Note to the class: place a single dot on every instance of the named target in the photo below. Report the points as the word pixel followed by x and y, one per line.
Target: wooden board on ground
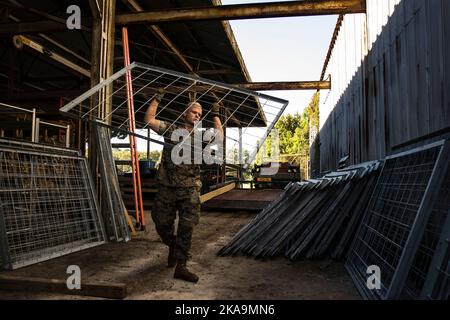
pixel 92 288
pixel 243 199
pixel 217 192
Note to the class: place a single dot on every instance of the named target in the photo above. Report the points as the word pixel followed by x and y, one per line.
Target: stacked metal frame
pixel 405 228
pixel 113 208
pixel 248 116
pixel 310 219
pixel 48 205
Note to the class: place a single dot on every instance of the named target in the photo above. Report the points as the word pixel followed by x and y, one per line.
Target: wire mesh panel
pixel 433 230
pixel 437 284
pixel 48 204
pixel 389 218
pixel 248 116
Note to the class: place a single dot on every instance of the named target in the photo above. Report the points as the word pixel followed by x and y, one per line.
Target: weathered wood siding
pixel 390 72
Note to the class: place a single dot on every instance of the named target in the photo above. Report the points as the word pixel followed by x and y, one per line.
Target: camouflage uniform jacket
pixel 175 175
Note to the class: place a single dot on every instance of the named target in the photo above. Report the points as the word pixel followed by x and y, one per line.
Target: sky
pixel 284 49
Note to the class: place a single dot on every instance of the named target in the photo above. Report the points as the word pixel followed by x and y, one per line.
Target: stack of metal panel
pixel 310 218
pixel 48 205
pixel 406 228
pixel 112 206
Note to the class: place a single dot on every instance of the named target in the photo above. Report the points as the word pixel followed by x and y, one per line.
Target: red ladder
pixel 140 219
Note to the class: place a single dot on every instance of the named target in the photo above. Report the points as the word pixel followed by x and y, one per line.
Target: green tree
pixel 294 129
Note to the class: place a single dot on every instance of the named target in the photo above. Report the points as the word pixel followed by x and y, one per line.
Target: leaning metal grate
pixel 248 116
pixel 48 204
pixel 387 223
pixel 430 239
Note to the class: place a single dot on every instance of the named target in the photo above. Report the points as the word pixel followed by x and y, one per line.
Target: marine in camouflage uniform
pixel 179 189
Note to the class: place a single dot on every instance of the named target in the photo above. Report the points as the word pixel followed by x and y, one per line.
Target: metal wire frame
pixel 36 123
pixel 25 111
pixel 48 204
pixel 437 283
pixel 422 264
pixel 391 222
pixel 254 112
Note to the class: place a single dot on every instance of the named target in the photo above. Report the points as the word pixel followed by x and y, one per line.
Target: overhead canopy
pixel 32 76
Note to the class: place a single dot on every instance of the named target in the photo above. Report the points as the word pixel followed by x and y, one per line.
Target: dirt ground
pixel 141 264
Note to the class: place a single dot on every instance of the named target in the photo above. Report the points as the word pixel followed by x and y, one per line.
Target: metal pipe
pixel 68 136
pixel 36 132
pixel 33 126
pixel 14 107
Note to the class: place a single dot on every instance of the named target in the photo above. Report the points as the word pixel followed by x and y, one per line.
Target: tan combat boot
pixel 172 259
pixel 181 272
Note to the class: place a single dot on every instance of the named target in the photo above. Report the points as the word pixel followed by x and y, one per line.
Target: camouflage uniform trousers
pixel 167 201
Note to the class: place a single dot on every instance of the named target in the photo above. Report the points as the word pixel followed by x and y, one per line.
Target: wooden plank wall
pixel 390 73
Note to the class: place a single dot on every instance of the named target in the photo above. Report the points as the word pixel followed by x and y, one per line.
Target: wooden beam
pixel 95 9
pixel 63 47
pixel 217 192
pixel 245 11
pixel 299 85
pixel 92 288
pixel 255 86
pixel 107 59
pixel 19 41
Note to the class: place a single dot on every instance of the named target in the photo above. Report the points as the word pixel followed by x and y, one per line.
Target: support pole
pixel 68 136
pixel 33 126
pixel 36 130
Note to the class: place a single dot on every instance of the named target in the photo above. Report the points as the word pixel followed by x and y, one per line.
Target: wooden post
pixel 102 63
pixel 107 56
pixel 95 79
